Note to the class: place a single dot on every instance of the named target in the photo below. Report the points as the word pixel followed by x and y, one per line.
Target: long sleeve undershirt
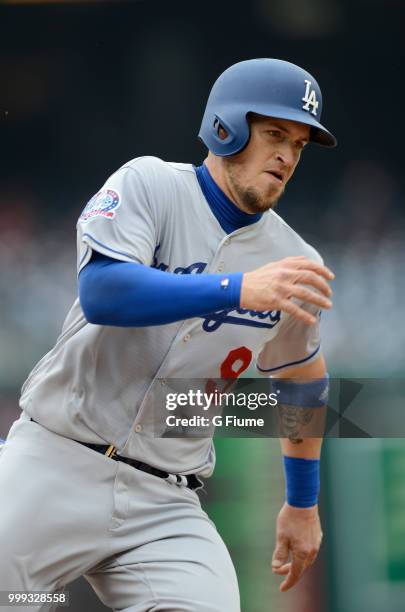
pixel 133 295
pixel 125 294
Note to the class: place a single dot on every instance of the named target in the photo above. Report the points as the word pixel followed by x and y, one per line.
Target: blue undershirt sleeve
pixel 125 294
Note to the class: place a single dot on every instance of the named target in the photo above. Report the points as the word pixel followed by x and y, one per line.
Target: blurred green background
pixel 87 86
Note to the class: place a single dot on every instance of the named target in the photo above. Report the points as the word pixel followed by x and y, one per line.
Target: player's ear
pixel 222 133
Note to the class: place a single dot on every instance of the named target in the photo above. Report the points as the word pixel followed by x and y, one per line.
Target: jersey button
pixel 221 266
pixel 227 242
pixel 138 428
pixel 186 338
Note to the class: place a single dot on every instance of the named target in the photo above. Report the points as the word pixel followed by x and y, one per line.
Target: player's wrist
pixel 235 288
pixel 307 512
pixel 302 481
pixel 245 291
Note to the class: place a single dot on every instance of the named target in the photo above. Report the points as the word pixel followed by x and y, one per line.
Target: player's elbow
pixel 91 316
pixel 89 299
pixel 90 310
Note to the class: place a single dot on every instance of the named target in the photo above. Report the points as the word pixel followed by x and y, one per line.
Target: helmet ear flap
pixel 219 123
pixel 218 127
pixel 220 131
pixel 235 139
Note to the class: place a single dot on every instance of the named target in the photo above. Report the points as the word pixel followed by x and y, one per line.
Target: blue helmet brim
pixel 318 133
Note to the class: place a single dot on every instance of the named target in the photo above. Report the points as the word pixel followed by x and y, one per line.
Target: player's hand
pixel 271 287
pixel 298 539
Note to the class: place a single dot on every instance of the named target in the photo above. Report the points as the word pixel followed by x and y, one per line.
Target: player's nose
pixel 287 157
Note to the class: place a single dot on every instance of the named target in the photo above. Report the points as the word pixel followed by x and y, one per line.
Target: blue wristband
pixel 306 394
pixel 302 481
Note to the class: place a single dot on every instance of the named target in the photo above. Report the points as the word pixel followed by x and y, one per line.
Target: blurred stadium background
pixel 89 85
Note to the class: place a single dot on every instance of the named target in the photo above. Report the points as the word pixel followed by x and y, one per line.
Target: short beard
pixel 251 198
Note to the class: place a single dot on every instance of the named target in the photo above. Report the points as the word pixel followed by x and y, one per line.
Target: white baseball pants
pixel 143 544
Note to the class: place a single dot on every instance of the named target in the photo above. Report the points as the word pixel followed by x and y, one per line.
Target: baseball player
pixel 184 272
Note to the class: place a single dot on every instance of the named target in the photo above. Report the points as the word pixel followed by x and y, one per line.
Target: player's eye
pixel 299 145
pixel 274 133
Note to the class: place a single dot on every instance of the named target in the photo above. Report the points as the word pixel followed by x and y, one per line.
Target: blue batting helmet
pixel 269 87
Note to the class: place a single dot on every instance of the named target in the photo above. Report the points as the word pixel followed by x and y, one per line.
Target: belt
pixel 191 480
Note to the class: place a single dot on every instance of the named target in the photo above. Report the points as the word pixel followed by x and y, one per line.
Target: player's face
pixel 257 176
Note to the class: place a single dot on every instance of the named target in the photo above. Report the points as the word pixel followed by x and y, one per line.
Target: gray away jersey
pixel 98 383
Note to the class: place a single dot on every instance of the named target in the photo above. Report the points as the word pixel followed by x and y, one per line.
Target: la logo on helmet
pixel 310 98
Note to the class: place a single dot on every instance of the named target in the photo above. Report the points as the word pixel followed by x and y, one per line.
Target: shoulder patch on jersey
pixel 103 204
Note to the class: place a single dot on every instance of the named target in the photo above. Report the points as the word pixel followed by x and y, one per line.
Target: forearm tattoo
pixel 292 420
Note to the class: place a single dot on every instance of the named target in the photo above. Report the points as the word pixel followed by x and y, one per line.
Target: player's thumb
pixel 280 555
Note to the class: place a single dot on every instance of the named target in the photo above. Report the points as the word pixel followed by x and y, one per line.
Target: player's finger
pixel 312 558
pixel 311 297
pixel 303 263
pixel 307 277
pixel 294 310
pixel 283 570
pixel 298 565
pixel 281 552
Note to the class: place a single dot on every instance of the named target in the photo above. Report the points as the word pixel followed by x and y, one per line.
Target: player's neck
pixel 217 173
